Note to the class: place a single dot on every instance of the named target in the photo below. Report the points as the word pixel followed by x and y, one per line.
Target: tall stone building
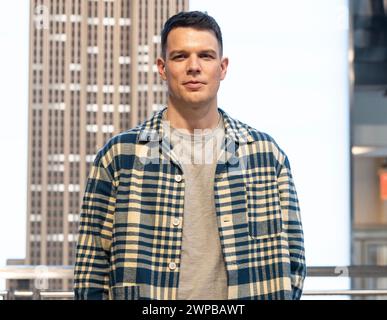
pixel 92 74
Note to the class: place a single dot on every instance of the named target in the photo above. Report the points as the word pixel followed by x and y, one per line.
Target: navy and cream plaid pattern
pixel 129 246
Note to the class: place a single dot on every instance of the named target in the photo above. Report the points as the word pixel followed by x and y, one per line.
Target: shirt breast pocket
pixel 263 210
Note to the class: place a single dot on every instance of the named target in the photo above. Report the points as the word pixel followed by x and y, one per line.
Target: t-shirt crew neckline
pixel 200 134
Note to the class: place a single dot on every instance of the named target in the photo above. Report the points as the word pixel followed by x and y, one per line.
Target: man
pixel 191 204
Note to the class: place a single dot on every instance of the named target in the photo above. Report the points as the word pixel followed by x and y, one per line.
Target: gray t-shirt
pixel 203 273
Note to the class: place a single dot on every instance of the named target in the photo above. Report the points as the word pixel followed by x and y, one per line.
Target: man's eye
pixel 178 57
pixel 206 56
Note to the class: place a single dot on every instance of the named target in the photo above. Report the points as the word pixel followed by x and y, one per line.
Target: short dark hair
pixel 190 19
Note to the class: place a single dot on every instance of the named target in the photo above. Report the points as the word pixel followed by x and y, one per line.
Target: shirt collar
pixel 152 129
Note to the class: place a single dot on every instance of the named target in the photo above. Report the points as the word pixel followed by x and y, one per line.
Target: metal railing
pixel 348 271
pixel 69 295
pixel 36 272
pixel 345 293
pixel 66 273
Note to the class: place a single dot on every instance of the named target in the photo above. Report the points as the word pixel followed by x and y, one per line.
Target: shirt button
pixel 227 218
pixel 172 265
pixel 176 222
pixel 178 178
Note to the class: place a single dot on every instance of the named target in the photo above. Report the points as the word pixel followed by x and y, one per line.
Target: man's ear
pixel 161 68
pixel 223 66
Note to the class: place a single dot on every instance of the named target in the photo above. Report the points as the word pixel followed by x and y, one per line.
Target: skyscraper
pixel 92 74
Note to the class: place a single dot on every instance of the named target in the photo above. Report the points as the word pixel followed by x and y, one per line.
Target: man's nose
pixel 193 66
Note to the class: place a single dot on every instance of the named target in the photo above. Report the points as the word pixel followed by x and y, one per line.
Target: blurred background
pixel 312 74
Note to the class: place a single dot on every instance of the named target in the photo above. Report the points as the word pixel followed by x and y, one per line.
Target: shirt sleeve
pixel 293 228
pixel 92 261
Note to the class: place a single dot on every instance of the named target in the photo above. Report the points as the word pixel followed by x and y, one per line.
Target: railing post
pixel 37 294
pixel 4 294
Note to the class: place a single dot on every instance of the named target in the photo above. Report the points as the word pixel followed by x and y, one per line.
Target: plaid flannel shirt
pixel 129 247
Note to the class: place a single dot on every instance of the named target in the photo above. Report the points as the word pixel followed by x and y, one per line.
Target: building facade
pixel 92 74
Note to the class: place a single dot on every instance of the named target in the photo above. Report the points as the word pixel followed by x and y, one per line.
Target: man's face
pixel 193 67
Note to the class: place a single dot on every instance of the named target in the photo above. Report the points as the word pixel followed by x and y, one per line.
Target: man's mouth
pixel 193 85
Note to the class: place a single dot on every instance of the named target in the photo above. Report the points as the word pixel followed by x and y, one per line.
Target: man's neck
pixel 191 118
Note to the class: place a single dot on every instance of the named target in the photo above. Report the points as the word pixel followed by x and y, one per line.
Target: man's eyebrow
pixel 176 52
pixel 210 51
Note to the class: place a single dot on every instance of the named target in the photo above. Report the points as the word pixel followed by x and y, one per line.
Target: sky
pixel 14 20
pixel 287 76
